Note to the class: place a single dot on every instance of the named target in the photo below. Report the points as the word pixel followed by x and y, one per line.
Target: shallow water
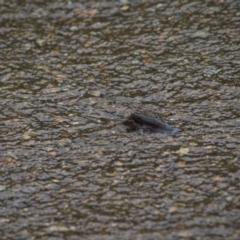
pixel 71 72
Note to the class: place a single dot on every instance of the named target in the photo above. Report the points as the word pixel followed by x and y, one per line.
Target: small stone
pixel 183 151
pixel 25 136
pixel 2 187
pixel 172 209
pixel 181 164
pixel 125 8
pixel 185 234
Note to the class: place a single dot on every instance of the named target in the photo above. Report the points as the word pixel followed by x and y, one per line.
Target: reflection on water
pixel 71 72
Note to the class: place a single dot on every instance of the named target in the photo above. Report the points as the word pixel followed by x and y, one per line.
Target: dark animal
pixel 139 121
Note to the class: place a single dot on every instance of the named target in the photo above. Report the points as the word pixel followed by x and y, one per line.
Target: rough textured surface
pixel 71 71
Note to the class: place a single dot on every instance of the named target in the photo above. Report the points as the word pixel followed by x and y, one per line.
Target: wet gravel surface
pixel 71 72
